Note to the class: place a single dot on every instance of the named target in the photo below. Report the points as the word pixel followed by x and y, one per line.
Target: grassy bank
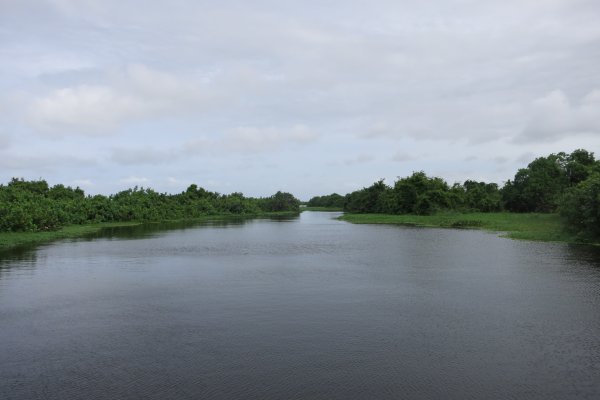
pixel 542 227
pixel 10 240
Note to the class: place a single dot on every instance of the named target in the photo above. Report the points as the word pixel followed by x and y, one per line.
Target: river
pixel 299 308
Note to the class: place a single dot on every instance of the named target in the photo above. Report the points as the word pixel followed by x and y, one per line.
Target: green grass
pixel 10 240
pixel 321 209
pixel 542 227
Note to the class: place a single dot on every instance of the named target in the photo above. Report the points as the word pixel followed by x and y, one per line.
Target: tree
pixel 581 207
pixel 538 187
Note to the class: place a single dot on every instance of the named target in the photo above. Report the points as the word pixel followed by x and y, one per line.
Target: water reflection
pixel 300 308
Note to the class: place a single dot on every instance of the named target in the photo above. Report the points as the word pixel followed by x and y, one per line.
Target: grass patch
pixel 532 226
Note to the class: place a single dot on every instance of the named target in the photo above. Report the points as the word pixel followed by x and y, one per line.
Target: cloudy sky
pixel 309 97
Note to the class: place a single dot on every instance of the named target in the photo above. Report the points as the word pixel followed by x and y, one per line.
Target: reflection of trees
pixel 585 255
pixel 17 258
pixel 149 229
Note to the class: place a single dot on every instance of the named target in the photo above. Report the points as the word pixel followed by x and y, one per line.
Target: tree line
pixel 565 183
pixel 35 206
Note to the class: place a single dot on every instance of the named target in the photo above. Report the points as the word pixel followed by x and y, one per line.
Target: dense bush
pixel 540 186
pixel 34 206
pixel 333 200
pixel 423 195
pixel 581 207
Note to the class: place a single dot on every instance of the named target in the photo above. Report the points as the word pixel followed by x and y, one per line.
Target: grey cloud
pixel 554 116
pixel 525 158
pixel 16 161
pixel 360 159
pixel 5 140
pixel 464 73
pixel 239 141
pixel 142 156
pixel 251 139
pixel 134 180
pixel 402 157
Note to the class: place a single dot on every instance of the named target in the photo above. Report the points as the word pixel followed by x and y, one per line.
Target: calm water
pixel 306 308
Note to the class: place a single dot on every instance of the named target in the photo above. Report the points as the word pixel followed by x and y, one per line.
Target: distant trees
pixel 280 201
pixel 564 183
pixel 423 195
pixel 333 200
pixel 34 206
pixel 567 183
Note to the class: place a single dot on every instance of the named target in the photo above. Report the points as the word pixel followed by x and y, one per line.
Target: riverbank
pixel 531 226
pixel 11 240
pixel 326 209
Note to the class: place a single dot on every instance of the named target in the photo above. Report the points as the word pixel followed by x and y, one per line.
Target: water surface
pixel 301 308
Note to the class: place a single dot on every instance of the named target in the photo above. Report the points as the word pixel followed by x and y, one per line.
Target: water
pixel 303 308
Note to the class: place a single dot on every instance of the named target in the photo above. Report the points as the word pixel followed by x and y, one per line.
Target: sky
pixel 309 97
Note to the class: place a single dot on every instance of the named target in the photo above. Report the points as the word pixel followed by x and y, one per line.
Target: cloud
pixel 402 157
pixel 134 180
pixel 221 87
pixel 42 162
pixel 555 116
pixel 255 139
pixel 249 140
pixel 91 109
pixel 179 183
pixel 360 159
pixel 526 158
pixel 83 182
pixel 5 140
pixel 139 156
pixel 135 93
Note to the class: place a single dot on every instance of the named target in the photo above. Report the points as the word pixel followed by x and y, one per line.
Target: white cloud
pixel 360 159
pixel 88 109
pixel 135 93
pixel 83 182
pixel 42 162
pixel 402 157
pixel 134 180
pixel 253 139
pixel 143 155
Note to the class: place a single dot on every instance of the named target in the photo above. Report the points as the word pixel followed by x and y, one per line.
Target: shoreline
pixel 14 240
pixel 527 226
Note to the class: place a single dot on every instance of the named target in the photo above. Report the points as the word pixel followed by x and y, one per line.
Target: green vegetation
pixel 332 201
pixel 32 212
pixel 561 184
pixel 529 226
pixel 554 198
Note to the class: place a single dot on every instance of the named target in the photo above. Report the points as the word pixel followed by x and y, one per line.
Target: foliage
pixel 333 200
pixel 540 186
pixel 280 201
pixel 33 206
pixel 423 195
pixel 569 183
pixel 581 208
